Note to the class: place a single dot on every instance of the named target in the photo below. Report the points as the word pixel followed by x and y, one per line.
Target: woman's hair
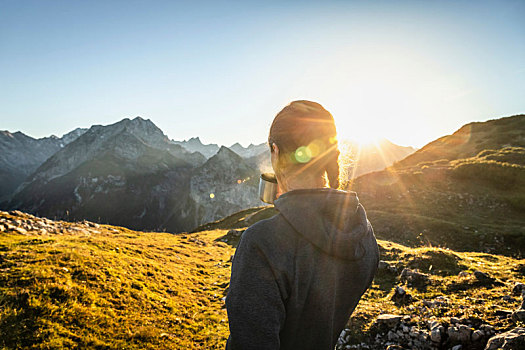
pixel 307 139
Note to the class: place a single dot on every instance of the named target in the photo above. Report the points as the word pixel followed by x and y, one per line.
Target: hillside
pixel 471 139
pixel 85 285
pixel 464 196
pixel 473 204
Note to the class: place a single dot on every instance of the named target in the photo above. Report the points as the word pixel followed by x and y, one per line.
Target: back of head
pixel 306 136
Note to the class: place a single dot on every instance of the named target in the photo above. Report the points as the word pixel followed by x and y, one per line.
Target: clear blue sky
pixel 410 71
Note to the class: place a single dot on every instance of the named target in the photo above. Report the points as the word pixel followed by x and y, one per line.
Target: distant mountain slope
pixel 21 155
pixel 194 144
pixel 231 182
pixel 356 160
pixel 446 194
pixel 99 138
pixel 250 151
pixel 129 173
pixel 471 139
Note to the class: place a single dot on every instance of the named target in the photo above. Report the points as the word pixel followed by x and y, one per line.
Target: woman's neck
pixel 298 182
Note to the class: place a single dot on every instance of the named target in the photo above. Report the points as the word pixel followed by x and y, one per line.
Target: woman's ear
pixel 275 149
pixel 274 157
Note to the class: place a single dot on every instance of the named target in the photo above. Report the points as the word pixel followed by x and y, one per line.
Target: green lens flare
pixel 303 154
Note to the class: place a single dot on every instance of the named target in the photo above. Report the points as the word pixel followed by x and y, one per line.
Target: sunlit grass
pixel 113 288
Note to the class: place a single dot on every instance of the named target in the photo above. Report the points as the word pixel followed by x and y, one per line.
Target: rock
pixel 459 334
pixel 518 288
pixel 511 340
pixel 388 320
pixel 477 335
pixel 2 228
pixel 465 333
pixel 454 320
pixel 483 277
pixel 518 315
pixel 401 296
pixel 386 267
pixel 488 329
pixel 463 274
pixel 235 233
pixel 20 230
pixel 394 347
pixel 392 336
pixel 435 335
pixel 415 278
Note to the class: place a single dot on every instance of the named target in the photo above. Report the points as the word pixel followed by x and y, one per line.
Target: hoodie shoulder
pixel 273 235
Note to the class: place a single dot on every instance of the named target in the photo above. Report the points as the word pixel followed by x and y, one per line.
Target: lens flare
pixel 303 154
pixel 316 147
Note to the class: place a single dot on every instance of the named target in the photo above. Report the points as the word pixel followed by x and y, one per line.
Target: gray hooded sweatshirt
pixel 297 277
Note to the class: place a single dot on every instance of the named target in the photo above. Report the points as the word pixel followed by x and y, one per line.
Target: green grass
pixel 113 288
pixel 467 204
pixel 467 297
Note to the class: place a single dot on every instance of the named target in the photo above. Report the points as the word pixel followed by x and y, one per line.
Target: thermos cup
pixel 268 187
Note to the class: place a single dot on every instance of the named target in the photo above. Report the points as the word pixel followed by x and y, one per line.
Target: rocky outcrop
pixel 29 225
pixel 511 340
pixel 400 331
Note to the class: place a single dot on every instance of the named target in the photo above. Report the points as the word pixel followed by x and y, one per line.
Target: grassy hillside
pixel 66 285
pixel 470 204
pixel 471 139
pixel 108 287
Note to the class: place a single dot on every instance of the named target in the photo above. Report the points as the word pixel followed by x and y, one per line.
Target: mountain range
pixel 130 173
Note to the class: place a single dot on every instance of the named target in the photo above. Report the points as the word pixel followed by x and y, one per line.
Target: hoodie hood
pixel 333 220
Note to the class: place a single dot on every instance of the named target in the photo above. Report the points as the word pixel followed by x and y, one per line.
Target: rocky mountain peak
pixel 195 141
pixel 73 135
pixel 194 144
pixel 6 133
pixel 226 153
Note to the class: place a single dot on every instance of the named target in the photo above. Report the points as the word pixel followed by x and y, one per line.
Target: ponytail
pixel 332 169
